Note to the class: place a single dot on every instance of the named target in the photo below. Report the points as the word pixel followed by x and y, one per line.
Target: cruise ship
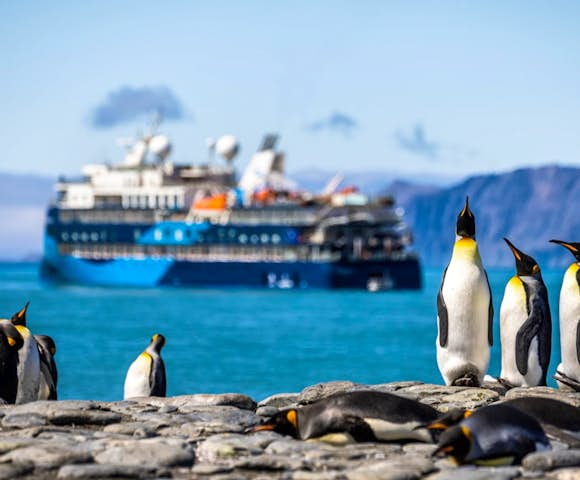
pixel 147 222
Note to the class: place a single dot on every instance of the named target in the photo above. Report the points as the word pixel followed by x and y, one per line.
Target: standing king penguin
pixel 28 361
pixel 48 371
pixel 568 372
pixel 525 325
pixel 464 310
pixel 10 343
pixel 146 375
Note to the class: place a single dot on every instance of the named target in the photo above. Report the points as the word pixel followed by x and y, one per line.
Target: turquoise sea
pixel 257 342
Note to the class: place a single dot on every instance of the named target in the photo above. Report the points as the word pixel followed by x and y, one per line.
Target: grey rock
pixel 45 456
pixel 229 446
pixel 266 411
pixel 398 467
pixel 83 417
pixel 308 475
pixel 395 386
pixel 280 400
pixel 8 471
pixel 81 471
pixel 545 461
pixel 426 390
pixel 477 473
pixel 572 398
pixel 21 420
pixel 269 463
pixel 323 390
pixel 471 398
pixel 135 429
pixel 187 403
pixel 150 452
pixel 566 474
pixel 209 469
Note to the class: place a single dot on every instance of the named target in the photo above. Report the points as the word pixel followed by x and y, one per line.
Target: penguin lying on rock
pixel 360 416
pixel 525 325
pixel 568 372
pixel 498 434
pixel 146 375
pixel 464 310
pixel 549 412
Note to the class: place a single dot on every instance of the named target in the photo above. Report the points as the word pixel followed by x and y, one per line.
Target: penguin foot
pixel 505 383
pixel 468 380
pixel 567 381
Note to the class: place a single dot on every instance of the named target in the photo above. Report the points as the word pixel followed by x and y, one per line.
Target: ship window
pixel 136 234
pixel 84 236
pixel 74 236
pixel 94 237
pixel 161 201
pixel 232 233
pixel 243 238
pixel 276 238
pixel 178 234
pixel 264 238
pixel 157 234
pixel 170 201
pixel 200 237
pixel 64 236
pixel 151 200
pixel 254 238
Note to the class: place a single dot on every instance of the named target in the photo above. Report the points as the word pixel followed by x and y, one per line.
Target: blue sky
pixel 425 89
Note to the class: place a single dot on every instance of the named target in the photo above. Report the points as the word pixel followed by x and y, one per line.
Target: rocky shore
pixel 201 436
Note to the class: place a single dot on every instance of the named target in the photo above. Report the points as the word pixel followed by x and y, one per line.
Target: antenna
pixel 210 144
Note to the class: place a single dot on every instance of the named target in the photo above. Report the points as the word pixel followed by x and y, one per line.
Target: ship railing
pixel 206 253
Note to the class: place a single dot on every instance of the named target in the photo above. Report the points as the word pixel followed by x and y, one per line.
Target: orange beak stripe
pixel 261 428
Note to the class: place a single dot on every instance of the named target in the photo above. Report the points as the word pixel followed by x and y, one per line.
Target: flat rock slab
pixel 147 453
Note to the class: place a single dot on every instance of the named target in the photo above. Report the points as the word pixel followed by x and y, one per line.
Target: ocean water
pixel 256 342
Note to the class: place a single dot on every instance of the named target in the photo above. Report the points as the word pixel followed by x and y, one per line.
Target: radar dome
pixel 160 146
pixel 227 146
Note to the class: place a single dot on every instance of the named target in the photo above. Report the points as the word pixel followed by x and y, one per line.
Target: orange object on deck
pixel 215 202
pixel 266 195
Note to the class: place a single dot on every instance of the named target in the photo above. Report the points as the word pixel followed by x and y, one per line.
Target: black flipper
pixel 358 429
pixel 566 380
pixel 157 378
pixel 442 314
pixel 490 314
pixel 537 324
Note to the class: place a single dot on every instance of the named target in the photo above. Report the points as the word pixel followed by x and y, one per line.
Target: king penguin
pixel 568 371
pixel 493 435
pixel 464 310
pixel 359 416
pixel 48 371
pixel 525 325
pixel 28 361
pixel 10 343
pixel 146 375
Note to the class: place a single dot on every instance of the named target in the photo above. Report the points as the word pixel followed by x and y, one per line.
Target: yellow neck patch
pixel 466 248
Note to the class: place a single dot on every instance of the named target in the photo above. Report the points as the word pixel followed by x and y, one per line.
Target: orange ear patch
pixel 292 418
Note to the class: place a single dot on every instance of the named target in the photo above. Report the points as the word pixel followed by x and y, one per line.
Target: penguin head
pixel 10 339
pixel 465 222
pixel 574 247
pixel 455 442
pixel 450 419
pixel 525 265
pixel 157 342
pixel 284 422
pixel 19 318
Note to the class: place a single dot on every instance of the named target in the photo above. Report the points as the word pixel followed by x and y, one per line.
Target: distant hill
pixel 23 200
pixel 529 206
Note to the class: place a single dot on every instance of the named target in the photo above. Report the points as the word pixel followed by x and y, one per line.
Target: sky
pixel 429 90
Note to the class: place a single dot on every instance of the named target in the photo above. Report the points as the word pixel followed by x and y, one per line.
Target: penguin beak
pixel 517 254
pixel 466 222
pixel 11 341
pixel 259 428
pixel 574 248
pixel 20 317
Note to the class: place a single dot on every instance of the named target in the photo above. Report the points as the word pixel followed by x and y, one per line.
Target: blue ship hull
pixel 150 272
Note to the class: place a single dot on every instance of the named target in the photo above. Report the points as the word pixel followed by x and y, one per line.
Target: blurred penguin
pixel 525 325
pixel 464 310
pixel 28 361
pixel 10 343
pixel 568 372
pixel 146 375
pixel 48 371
